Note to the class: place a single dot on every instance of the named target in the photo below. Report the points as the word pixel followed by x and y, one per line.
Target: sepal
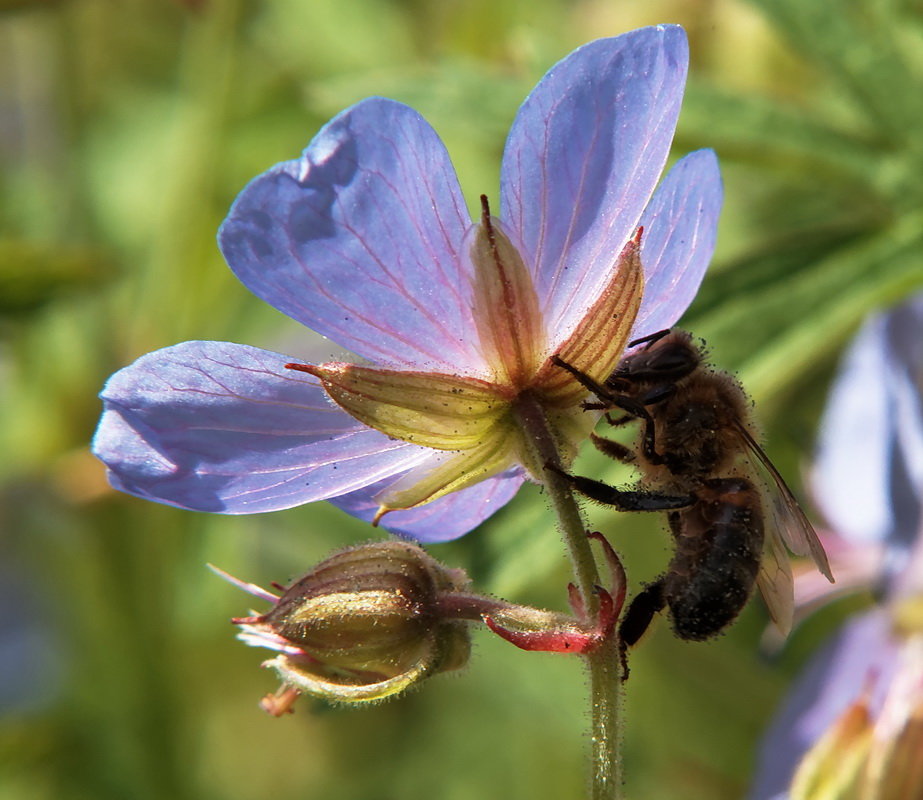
pixel 598 341
pixel 445 412
pixel 551 632
pixel 506 308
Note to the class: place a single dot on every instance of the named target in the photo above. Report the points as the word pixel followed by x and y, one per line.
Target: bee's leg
pixel 615 422
pixel 674 520
pixel 637 410
pixel 632 408
pixel 623 499
pixel 648 602
pixel 608 398
pixel 615 450
pixel 658 394
pixel 585 380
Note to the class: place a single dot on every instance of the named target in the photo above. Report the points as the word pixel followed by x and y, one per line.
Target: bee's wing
pixel 787 519
pixel 774 580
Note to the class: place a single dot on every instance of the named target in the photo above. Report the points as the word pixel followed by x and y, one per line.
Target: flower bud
pixel 363 625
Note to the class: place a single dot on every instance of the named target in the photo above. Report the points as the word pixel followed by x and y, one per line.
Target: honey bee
pixel 729 510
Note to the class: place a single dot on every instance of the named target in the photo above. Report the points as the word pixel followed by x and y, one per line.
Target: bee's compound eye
pixel 666 364
pixel 675 363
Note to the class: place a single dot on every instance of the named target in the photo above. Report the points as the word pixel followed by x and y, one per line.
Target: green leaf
pixel 806 317
pixel 763 131
pixel 855 44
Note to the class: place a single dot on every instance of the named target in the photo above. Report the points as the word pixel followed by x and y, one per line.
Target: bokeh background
pixel 126 129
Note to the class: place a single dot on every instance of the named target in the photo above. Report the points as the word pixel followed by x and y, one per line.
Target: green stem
pixel 462 605
pixel 603 662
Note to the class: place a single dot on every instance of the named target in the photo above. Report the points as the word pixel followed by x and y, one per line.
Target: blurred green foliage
pixel 128 127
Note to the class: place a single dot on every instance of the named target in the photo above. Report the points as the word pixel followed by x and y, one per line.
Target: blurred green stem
pixel 603 662
pixel 195 130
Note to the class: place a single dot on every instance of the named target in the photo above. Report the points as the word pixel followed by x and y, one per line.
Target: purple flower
pixel 858 708
pixel 366 239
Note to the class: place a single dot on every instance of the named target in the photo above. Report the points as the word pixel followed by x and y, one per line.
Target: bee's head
pixel 665 358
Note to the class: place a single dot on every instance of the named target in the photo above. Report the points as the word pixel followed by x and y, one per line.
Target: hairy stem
pixel 603 662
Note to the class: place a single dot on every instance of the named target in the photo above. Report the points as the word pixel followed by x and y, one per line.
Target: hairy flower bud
pixel 364 624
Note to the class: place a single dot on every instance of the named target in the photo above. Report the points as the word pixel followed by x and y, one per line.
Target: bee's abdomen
pixel 718 548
